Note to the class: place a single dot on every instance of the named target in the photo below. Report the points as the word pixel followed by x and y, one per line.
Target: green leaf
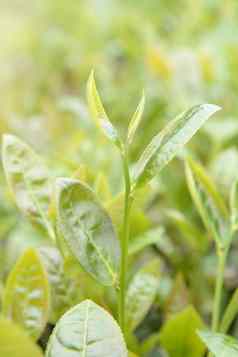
pixel 150 237
pixel 26 296
pixel 141 293
pixel 234 206
pixel 135 120
pixel 220 345
pixel 178 335
pixel 86 330
pixel 165 145
pixel 88 230
pixel 230 313
pixel 98 112
pixel 28 179
pixel 14 342
pixel 207 199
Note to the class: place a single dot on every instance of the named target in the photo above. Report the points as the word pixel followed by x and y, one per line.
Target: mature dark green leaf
pixel 207 199
pixel 26 296
pixel 135 120
pixel 141 293
pixel 98 112
pixel 28 179
pixel 87 330
pixel 165 145
pixel 88 230
pixel 220 345
pixel 178 335
pixel 14 341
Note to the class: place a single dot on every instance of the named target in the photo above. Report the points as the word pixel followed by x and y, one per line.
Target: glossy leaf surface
pixel 178 335
pixel 88 230
pixel 28 179
pixel 165 145
pixel 220 345
pixel 141 293
pixel 26 297
pixel 14 342
pixel 87 330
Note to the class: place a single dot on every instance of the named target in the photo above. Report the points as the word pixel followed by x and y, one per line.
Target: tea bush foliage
pixel 119 194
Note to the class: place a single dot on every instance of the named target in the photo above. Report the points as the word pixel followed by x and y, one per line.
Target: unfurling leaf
pixel 87 229
pixel 98 112
pixel 28 179
pixel 208 201
pixel 178 335
pixel 86 330
pixel 220 345
pixel 165 145
pixel 14 341
pixel 141 293
pixel 26 296
pixel 135 120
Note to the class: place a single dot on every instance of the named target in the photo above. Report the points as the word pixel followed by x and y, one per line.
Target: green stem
pixel 124 242
pixel 222 257
pixel 219 287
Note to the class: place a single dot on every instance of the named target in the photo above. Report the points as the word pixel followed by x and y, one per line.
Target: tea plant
pixel 84 251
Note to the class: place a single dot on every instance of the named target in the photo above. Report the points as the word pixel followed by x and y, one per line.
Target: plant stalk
pixel 222 257
pixel 124 243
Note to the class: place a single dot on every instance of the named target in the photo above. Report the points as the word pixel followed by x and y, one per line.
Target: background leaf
pixel 28 179
pixel 86 330
pixel 178 335
pixel 26 296
pixel 14 342
pixel 207 199
pixel 88 230
pixel 141 293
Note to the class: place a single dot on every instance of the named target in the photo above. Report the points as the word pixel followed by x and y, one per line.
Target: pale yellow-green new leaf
pixel 86 330
pixel 14 341
pixel 135 120
pixel 98 112
pixel 26 295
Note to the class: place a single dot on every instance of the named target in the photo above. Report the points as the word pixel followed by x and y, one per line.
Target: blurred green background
pixel 182 52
